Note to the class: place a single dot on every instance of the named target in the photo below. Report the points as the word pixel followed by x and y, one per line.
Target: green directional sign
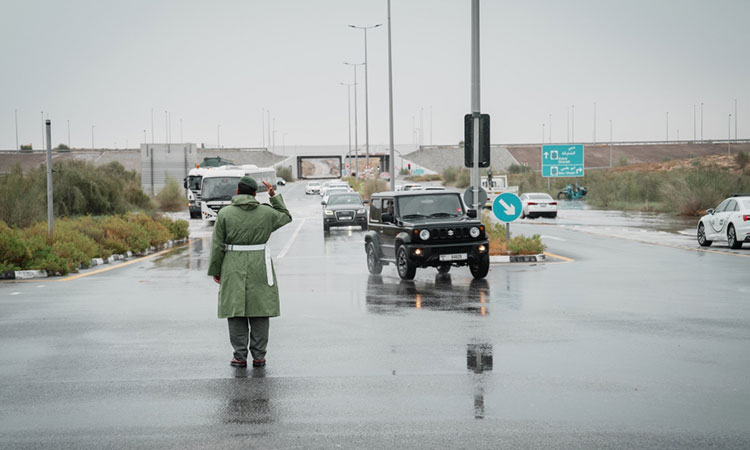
pixel 562 160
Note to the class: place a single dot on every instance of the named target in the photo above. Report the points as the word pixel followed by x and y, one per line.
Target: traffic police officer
pixel 241 264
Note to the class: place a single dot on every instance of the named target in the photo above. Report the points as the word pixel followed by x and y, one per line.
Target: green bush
pixel 171 198
pixel 518 168
pixel 285 173
pixel 26 147
pixel 463 179
pixel 522 245
pixel 450 174
pixel 62 147
pixel 177 228
pixel 372 186
pixel 622 161
pixel 742 159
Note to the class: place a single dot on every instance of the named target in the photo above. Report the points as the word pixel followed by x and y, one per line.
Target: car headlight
pixel 328 212
pixel 360 211
pixel 474 232
pixel 424 235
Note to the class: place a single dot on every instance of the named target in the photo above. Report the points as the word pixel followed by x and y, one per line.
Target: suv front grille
pixel 450 233
pixel 345 215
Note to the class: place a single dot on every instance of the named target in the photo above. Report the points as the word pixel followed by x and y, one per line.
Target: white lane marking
pixel 291 240
pixel 14 293
pixel 554 238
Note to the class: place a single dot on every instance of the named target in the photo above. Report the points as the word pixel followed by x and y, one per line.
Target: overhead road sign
pixel 562 160
pixel 507 207
pixel 484 140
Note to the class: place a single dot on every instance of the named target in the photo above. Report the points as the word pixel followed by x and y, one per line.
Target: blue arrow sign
pixel 507 207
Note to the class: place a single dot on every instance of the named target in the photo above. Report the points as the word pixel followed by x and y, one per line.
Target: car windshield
pixel 219 188
pixel 345 199
pixel 539 197
pixel 437 205
pixel 336 190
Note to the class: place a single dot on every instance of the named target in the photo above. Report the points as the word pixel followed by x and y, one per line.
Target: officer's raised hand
pixel 268 186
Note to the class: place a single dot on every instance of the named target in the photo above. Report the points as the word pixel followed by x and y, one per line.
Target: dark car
pixel 344 210
pixel 424 229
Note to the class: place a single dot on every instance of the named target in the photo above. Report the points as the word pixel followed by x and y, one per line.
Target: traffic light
pixel 409 166
pixel 484 140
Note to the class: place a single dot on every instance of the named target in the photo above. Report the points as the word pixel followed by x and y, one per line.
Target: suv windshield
pixel 345 199
pixel 219 188
pixel 438 205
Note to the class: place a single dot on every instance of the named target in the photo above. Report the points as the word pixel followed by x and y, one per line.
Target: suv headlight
pixel 328 212
pixel 424 235
pixel 474 232
pixel 361 211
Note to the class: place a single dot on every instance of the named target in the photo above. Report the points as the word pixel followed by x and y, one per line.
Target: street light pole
pixel 610 143
pixel 50 196
pixel 367 117
pixel 356 127
pixel 17 147
pixel 729 135
pixel 701 122
pixel 594 122
pixel 667 126
pixel 475 100
pixel 349 118
pixel 392 168
pixel 68 133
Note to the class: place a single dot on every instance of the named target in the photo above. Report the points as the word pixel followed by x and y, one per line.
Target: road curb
pixel 32 274
pixel 507 259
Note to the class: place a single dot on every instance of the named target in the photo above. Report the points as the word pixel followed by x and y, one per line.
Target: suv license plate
pixel 453 257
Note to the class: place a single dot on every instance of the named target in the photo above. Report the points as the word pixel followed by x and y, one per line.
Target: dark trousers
pixel 258 336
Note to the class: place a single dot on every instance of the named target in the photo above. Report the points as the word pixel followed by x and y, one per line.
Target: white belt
pixel 256 248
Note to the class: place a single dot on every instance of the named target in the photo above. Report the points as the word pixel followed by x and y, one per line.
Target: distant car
pixel 332 190
pixel 385 176
pixel 410 187
pixel 729 222
pixel 344 210
pixel 538 204
pixel 280 181
pixel 428 188
pixel 313 187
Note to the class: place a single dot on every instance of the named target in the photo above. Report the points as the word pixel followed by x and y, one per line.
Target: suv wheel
pixel 406 270
pixel 481 267
pixel 373 261
pixel 702 236
pixel 732 238
pixel 445 268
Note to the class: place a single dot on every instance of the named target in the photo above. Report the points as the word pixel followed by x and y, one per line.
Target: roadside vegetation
pixel 423 178
pixel 99 211
pixel 686 192
pixel 366 188
pixel 459 177
pixel 77 240
pixel 518 244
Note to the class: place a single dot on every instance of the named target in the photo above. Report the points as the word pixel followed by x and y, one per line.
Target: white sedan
pixel 538 204
pixel 729 222
pixel 313 187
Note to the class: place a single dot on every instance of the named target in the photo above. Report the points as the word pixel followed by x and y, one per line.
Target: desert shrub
pixel 450 174
pixel 177 228
pixel 285 173
pixel 403 171
pixel 370 187
pixel 13 250
pixel 172 197
pixel 62 147
pixel 522 245
pixel 742 159
pixel 518 168
pixel 420 178
pixel 622 161
pixel 463 179
pixel 155 231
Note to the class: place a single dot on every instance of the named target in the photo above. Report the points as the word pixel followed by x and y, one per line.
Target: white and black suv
pixel 417 229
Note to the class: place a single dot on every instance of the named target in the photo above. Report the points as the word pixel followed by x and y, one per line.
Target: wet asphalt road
pixel 630 345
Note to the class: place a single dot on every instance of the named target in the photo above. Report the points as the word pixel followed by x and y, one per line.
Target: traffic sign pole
pixel 475 104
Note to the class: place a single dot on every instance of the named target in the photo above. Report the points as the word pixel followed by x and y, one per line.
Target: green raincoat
pixel 244 289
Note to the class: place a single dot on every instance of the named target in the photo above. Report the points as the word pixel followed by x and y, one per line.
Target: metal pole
pixel 268 124
pixel 43 130
pixel 430 122
pixel 356 127
pixel 729 135
pixel 50 210
pixel 367 113
pixel 92 137
pixel 263 127
pixel 17 147
pixel 475 99
pixel 68 133
pixel 594 122
pixel 610 143
pixel 567 125
pixel 166 127
pixel 701 122
pixel 152 126
pixel 153 192
pixel 144 136
pixel 694 131
pixel 349 118
pixel 392 167
pixel 667 126
pixel 735 120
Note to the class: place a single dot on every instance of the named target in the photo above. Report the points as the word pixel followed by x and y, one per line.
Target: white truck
pixel 219 185
pixel 498 185
pixel 192 184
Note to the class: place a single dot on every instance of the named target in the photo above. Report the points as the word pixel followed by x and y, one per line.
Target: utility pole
pixel 392 168
pixel 694 131
pixel 349 118
pixel 701 122
pixel 17 147
pixel 263 127
pixel 50 206
pixel 729 135
pixel 69 133
pixel 475 100
pixel 667 126
pixel 430 122
pixel 356 127
pixel 735 120
pixel 152 126
pixel 43 131
pixel 594 122
pixel 367 116
pixel 610 143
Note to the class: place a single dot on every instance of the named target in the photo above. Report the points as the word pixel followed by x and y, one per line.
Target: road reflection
pixel 479 361
pixel 248 402
pixel 385 295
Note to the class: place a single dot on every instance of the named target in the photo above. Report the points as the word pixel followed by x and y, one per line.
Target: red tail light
pixel 532 204
pixel 553 203
pixel 746 217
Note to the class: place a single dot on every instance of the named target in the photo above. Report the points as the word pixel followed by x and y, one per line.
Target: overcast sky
pixel 108 63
